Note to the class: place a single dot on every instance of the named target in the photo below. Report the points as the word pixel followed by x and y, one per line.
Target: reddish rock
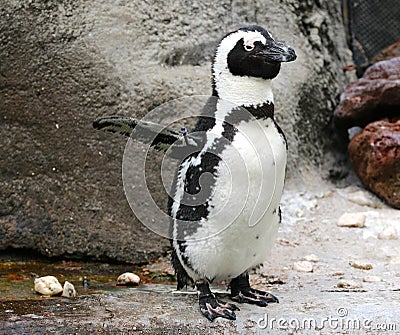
pixel 375 156
pixel 391 51
pixel 387 69
pixel 374 96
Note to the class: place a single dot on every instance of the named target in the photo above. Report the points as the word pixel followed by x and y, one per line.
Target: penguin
pixel 224 204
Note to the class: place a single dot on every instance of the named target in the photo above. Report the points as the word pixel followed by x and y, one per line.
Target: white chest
pixel 243 216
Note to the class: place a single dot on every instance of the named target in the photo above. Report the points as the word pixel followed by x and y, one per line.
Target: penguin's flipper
pixel 122 125
pixel 158 136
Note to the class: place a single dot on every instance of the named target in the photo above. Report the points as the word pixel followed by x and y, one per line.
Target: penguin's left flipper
pixel 160 137
pixel 242 292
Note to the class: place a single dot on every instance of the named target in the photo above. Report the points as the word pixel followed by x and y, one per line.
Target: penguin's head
pixel 250 52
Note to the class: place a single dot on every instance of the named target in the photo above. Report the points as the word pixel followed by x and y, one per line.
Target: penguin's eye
pixel 249 47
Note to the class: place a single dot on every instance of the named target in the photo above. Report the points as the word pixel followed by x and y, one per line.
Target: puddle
pixel 17 272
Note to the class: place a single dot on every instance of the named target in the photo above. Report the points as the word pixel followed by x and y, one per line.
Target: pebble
pixel 372 279
pixel 48 285
pixel 354 220
pixel 303 266
pixel 360 265
pixel 389 233
pixel 364 199
pixel 311 258
pixel 69 290
pixel 128 279
pixel 346 283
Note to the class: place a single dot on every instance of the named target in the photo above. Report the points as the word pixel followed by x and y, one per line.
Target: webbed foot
pixel 212 308
pixel 242 292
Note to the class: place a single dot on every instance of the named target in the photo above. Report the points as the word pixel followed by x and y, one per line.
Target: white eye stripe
pixel 249 44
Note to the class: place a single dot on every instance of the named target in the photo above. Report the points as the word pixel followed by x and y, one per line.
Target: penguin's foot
pixel 210 307
pixel 242 292
pixel 253 296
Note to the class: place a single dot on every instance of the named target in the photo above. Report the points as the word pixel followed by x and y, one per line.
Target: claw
pixel 267 296
pixel 230 314
pixel 232 307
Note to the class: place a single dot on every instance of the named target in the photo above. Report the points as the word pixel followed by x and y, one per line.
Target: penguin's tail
pixel 158 136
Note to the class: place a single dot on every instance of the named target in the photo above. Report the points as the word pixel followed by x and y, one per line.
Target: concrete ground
pixel 349 283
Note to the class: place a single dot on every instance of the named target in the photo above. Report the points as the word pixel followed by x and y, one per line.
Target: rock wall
pixel 63 63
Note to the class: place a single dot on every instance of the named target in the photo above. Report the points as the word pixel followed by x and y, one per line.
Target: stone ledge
pixel 156 309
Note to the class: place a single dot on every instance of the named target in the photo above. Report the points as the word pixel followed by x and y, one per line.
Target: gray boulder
pixel 63 63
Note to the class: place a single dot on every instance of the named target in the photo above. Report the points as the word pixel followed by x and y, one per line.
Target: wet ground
pixel 18 270
pixel 349 285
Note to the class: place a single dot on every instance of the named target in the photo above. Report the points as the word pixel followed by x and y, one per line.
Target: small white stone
pixel 303 266
pixel 372 279
pixel 361 265
pixel 389 233
pixel 129 279
pixel 356 220
pixel 69 290
pixel 364 199
pixel 311 258
pixel 346 283
pixel 48 285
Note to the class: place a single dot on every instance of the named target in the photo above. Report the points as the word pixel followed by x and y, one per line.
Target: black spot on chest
pixel 200 177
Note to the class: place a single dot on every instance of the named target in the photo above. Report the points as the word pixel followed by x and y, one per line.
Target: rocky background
pixel 369 110
pixel 63 63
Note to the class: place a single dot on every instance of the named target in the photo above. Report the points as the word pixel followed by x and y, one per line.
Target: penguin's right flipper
pixel 160 137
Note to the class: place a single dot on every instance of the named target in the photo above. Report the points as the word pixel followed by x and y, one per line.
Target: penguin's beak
pixel 277 52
